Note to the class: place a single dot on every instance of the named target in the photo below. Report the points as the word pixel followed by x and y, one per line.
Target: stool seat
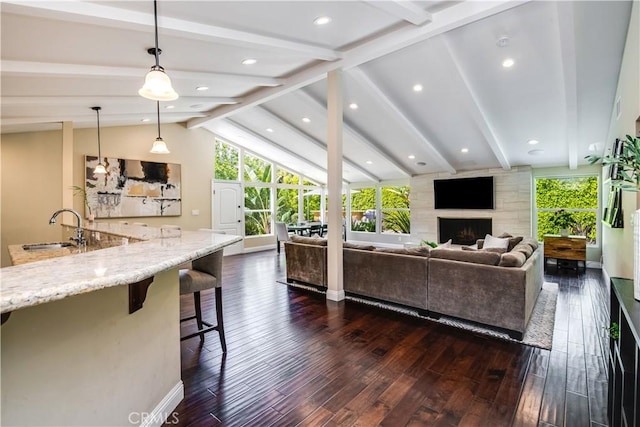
pixel 205 273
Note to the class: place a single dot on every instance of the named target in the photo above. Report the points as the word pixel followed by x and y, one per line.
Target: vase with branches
pixel 79 191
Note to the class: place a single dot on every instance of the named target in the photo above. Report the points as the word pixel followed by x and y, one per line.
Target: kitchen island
pixel 75 351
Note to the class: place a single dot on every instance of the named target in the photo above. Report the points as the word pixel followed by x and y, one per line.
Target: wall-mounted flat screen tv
pixel 464 193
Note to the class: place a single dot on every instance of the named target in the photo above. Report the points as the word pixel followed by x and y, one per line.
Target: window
pixel 311 205
pixel 256 169
pixel 226 164
pixel 577 196
pixel 287 205
pixel 396 216
pixel 283 176
pixel 257 210
pixel 363 210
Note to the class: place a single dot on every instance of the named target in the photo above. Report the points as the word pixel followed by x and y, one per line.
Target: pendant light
pixel 157 84
pixel 159 147
pixel 100 169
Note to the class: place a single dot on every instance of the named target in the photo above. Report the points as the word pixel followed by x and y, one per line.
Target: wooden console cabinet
pixel 624 356
pixel 572 249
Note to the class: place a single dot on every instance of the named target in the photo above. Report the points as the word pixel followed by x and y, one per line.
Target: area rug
pixel 539 332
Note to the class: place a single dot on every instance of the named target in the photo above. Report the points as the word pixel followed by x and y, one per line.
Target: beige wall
pixel 512 211
pixel 31 188
pixel 84 361
pixel 32 173
pixel 192 149
pixel 618 243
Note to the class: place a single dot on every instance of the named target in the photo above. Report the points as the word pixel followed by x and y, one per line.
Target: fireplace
pixel 463 231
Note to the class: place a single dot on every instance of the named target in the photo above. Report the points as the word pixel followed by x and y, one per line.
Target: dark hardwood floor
pixel 295 359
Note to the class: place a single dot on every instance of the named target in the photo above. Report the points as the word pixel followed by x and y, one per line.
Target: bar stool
pixel 205 273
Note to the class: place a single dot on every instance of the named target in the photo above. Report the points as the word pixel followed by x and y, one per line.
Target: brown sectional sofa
pixel 498 290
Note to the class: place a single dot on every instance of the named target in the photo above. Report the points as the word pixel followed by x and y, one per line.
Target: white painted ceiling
pixel 60 58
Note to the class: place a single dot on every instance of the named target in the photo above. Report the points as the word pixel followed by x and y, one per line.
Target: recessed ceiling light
pixel 536 152
pixel 170 107
pixel 145 120
pixel 421 163
pixel 369 162
pixel 249 61
pixel 269 130
pixel 533 142
pixel 353 106
pixel 508 63
pixel 464 150
pixel 411 156
pixel 503 41
pixel 201 88
pixel 306 119
pixel 322 20
pixel 417 88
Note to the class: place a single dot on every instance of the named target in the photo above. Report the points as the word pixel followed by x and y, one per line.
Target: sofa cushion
pixel 417 251
pixel 512 259
pixel 349 245
pixel 524 248
pixel 309 240
pixel 476 257
pixel 494 250
pixel 531 242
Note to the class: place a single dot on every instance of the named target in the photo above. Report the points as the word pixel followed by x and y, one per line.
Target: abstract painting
pixel 133 188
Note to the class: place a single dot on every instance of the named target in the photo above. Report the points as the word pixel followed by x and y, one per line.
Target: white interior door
pixel 227 212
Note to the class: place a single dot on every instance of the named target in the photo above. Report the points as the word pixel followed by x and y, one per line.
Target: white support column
pixel 67 175
pixel 335 291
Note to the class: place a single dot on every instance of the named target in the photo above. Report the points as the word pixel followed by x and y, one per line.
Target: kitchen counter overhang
pixel 156 250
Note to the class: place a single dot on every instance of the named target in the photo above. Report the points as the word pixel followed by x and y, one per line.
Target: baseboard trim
pixel 163 412
pixel 593 264
pixel 259 249
pixel 335 295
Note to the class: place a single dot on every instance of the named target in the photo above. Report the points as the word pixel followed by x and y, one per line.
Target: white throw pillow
pixel 445 245
pixel 495 242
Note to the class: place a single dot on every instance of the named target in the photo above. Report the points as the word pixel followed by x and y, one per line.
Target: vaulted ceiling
pixel 59 58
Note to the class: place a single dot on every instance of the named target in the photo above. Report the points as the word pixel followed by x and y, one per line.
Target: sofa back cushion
pixel 362 247
pixel 513 241
pixel 512 259
pixel 531 242
pixel 417 251
pixel 318 241
pixel 523 248
pixel 476 257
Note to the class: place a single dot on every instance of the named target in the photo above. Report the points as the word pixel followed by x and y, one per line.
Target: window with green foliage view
pixel 396 216
pixel 576 197
pixel 226 166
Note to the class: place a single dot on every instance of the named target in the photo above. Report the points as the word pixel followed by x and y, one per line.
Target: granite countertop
pixel 154 250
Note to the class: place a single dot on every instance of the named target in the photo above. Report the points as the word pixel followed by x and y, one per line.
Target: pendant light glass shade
pixel 157 84
pixel 159 147
pixel 100 169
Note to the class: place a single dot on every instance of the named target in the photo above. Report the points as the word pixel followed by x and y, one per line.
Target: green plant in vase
pixel 562 220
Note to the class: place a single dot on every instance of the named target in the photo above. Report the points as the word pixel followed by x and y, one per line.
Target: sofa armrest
pixel 306 263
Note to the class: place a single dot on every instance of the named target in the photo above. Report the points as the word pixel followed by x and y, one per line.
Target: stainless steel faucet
pixel 79 237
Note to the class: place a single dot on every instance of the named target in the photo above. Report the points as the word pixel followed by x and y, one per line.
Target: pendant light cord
pixel 155 16
pixel 158 107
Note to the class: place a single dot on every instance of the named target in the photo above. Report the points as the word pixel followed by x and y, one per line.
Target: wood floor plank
pixel 296 359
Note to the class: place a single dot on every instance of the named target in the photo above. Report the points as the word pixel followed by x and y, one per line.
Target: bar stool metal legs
pixel 201 323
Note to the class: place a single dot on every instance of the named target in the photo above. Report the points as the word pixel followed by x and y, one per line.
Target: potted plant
pixel 79 191
pixel 627 178
pixel 627 162
pixel 563 220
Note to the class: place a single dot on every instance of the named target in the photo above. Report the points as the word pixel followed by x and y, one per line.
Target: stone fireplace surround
pixel 463 231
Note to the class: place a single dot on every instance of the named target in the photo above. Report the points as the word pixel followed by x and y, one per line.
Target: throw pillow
pixel 531 242
pixel 524 248
pixel 480 243
pixel 495 242
pixel 445 245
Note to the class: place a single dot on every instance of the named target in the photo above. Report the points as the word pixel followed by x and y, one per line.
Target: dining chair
pixel 205 273
pixel 282 233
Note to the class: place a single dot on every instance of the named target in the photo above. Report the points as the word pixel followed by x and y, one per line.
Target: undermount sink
pixel 47 246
